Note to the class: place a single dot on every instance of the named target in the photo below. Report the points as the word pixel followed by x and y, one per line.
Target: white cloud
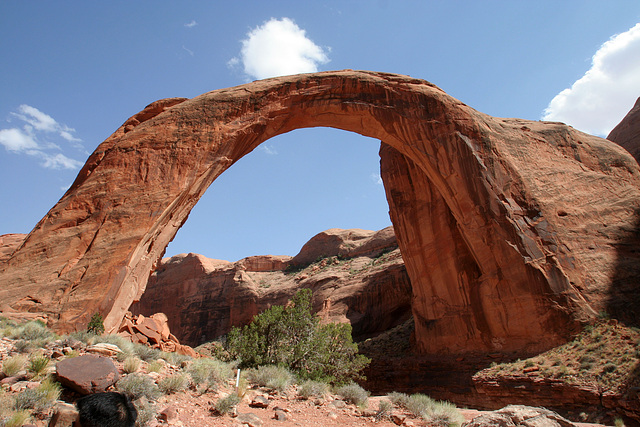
pixel 602 97
pixel 191 24
pixel 277 48
pixel 269 150
pixel 17 140
pixel 29 139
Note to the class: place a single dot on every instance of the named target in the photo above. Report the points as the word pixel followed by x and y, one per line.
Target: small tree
pixel 96 326
pixel 292 336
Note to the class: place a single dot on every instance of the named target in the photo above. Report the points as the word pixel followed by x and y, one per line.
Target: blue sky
pixel 73 71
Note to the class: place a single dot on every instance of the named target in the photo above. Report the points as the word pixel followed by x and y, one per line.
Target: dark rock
pixel 259 402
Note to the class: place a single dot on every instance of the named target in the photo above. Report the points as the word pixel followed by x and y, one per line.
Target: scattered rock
pixel 104 349
pixel 64 415
pixel 259 402
pixel 168 414
pixel 398 419
pixel 250 419
pixel 154 332
pixel 280 415
pixel 87 373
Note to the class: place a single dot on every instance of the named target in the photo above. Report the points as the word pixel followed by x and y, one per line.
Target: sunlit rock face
pixel 356 276
pixel 627 132
pixel 512 231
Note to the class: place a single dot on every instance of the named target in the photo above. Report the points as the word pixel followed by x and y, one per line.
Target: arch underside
pixel 495 242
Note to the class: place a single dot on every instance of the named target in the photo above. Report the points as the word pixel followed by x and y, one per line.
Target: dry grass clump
pixel 226 404
pixel 355 394
pixel 274 377
pixel 38 399
pixel 13 364
pixel 138 385
pixel 311 388
pixel 38 365
pixel 173 383
pixel 209 373
pixel 131 364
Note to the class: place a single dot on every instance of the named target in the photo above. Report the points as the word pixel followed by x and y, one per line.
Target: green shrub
pixel 131 364
pixel 173 383
pixel 14 364
pixel 434 412
pixel 292 336
pixel 210 372
pixel 312 388
pixel 122 343
pixel 38 399
pixel 33 331
pixel 226 404
pixel 96 325
pixel 274 377
pixel 355 394
pixel 138 385
pixel 38 364
pixel 175 359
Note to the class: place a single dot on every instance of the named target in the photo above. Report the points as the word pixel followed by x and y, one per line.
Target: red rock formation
pixel 531 216
pixel 627 132
pixel 152 331
pixel 360 279
pixel 9 243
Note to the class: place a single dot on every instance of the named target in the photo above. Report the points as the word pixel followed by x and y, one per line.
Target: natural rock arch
pixel 495 217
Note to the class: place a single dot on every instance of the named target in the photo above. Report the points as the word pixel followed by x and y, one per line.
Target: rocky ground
pixel 190 406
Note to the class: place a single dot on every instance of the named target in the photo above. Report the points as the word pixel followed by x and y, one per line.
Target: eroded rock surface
pixel 356 276
pixel 512 231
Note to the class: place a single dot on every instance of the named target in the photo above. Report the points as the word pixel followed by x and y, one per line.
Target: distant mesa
pixel 513 232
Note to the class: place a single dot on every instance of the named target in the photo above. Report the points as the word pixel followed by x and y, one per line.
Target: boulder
pixel 87 374
pixel 520 416
pixel 64 415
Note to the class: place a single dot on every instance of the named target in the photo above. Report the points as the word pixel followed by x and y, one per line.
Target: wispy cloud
pixel 189 51
pixel 600 99
pixel 269 150
pixel 191 24
pixel 277 48
pixel 33 138
pixel 376 178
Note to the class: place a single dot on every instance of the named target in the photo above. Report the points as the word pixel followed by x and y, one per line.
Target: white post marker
pixel 237 379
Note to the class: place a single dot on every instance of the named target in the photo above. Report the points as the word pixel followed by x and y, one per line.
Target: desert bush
pixel 16 419
pixel 274 377
pixel 312 388
pixel 444 414
pixel 96 325
pixel 155 366
pixel 138 385
pixel 226 404
pixel 173 383
pixel 292 336
pixel 399 399
pixel 384 410
pixel 14 364
pixel 419 404
pixel 355 394
pixel 175 359
pixel 38 364
pixel 33 331
pixel 210 372
pixel 131 364
pixel 146 353
pixel 38 399
pixel 23 346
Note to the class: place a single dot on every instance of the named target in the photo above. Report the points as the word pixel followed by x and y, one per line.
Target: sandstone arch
pixel 508 227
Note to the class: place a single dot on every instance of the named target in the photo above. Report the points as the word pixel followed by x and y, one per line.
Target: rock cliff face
pixel 512 231
pixel 627 133
pixel 356 276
